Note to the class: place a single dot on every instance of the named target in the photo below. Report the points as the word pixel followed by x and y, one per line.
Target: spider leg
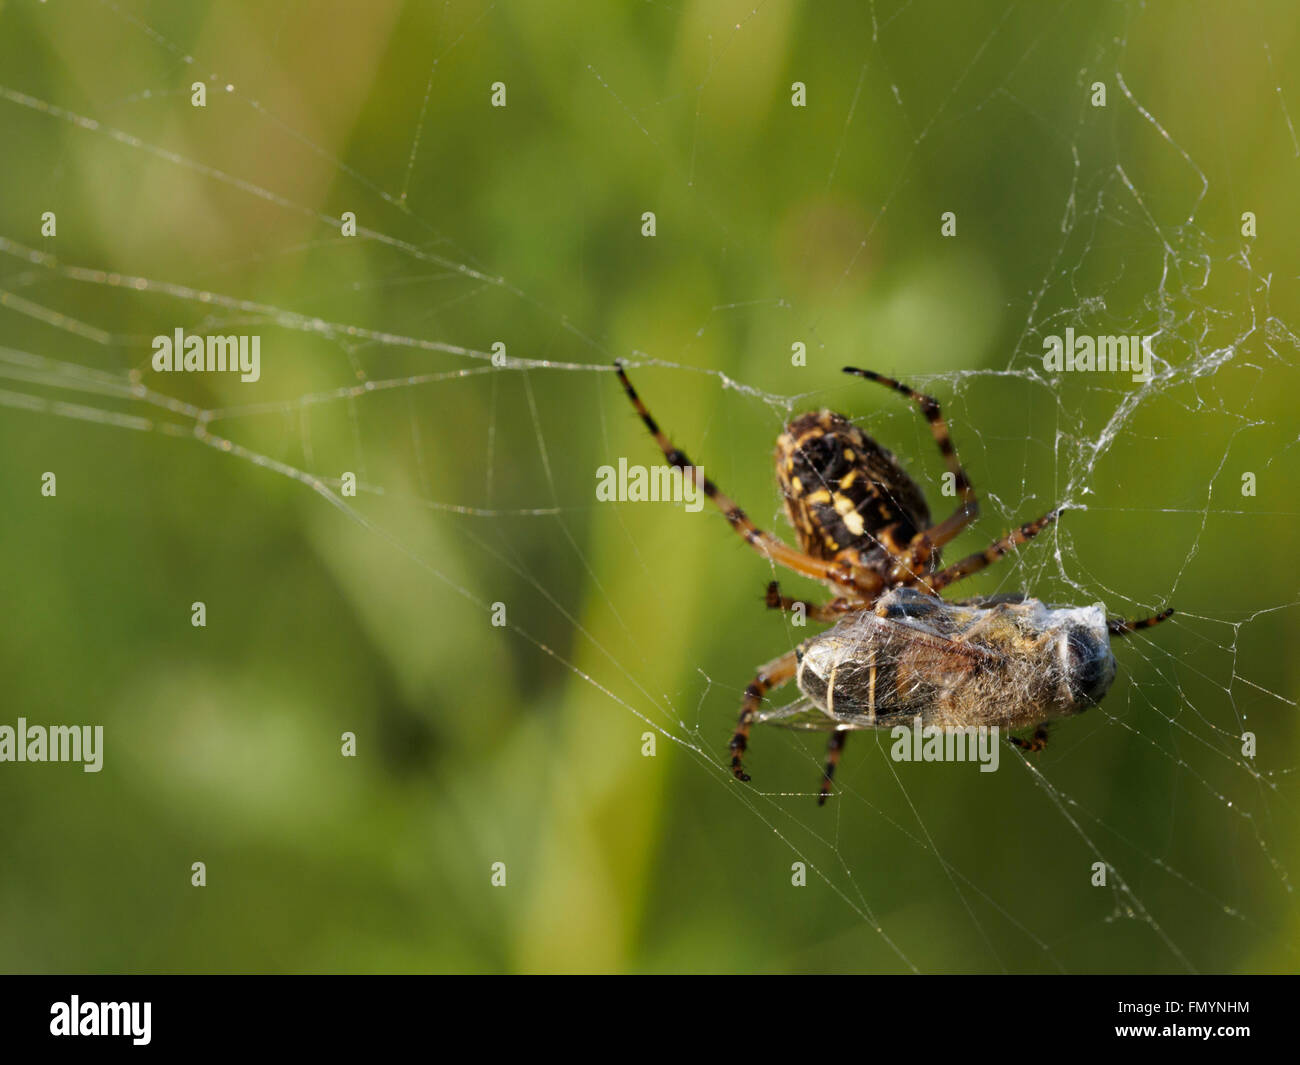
pixel 834 748
pixel 1121 627
pixel 1036 742
pixel 764 543
pixel 968 510
pixel 976 562
pixel 772 675
pixel 831 611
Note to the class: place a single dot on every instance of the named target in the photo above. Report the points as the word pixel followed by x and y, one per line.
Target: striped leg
pixel 770 676
pixel 834 748
pixel 935 583
pixel 968 510
pixel 764 543
pixel 1120 627
pixel 832 611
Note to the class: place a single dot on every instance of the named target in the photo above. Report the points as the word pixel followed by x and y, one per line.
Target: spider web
pixel 475 478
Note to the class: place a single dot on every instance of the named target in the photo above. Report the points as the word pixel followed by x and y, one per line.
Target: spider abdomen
pixel 843 492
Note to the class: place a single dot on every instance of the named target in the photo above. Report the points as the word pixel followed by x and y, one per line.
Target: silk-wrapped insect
pixel 1005 661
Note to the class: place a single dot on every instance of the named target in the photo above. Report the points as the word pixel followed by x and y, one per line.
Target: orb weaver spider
pixel 897 650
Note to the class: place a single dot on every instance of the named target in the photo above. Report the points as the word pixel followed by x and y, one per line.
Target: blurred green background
pixel 522 225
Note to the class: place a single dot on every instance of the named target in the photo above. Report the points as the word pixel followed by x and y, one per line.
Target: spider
pixel 897 649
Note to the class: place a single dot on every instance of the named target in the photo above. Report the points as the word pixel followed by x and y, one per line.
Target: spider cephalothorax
pixel 897 649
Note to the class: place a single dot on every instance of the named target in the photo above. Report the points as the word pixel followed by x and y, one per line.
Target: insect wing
pixel 802 714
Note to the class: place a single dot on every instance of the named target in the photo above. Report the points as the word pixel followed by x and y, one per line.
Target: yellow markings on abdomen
pixel 848 510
